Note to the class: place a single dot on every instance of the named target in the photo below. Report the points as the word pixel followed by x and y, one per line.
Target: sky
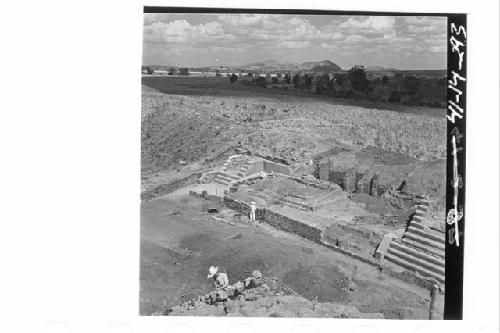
pixel 193 40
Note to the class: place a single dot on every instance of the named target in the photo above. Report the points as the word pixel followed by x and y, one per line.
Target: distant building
pixel 160 72
pixel 195 73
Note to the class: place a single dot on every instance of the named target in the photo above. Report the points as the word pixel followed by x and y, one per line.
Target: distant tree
pixel 268 76
pixel 385 80
pixel 340 78
pixel 296 79
pixel 183 71
pixel 250 74
pixel 357 77
pixel 274 79
pixel 233 78
pixel 377 81
pixel 279 75
pixel 307 81
pixel 411 86
pixel 395 96
pixel 171 71
pixel 261 82
pixel 324 85
pixel 287 78
pixel 398 76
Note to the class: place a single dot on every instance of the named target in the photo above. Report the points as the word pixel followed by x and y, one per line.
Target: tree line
pixel 354 84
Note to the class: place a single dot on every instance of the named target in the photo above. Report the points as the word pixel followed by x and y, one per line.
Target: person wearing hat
pixel 253 208
pixel 220 279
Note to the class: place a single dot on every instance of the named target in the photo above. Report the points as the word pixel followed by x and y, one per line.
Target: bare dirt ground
pixel 179 241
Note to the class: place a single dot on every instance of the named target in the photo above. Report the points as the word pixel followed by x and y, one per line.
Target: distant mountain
pixel 315 66
pixel 321 66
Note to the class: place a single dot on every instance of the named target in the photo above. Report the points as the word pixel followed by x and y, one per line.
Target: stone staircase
pixel 244 168
pixel 225 178
pixel 234 168
pixel 421 249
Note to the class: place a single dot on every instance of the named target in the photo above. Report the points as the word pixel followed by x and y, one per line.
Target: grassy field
pixel 221 87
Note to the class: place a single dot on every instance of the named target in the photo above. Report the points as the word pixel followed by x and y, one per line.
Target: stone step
pixel 418 219
pixel 435 260
pixel 228 175
pixel 420 213
pixel 435 236
pixel 424 248
pixel 425 241
pixel 437 269
pixel 221 182
pixel 412 267
pixel 424 227
pixel 424 206
pixel 224 179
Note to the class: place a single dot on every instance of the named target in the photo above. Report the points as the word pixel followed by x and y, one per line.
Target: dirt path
pixel 179 241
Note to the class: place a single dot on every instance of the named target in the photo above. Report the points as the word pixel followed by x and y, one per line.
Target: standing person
pixel 253 208
pixel 220 279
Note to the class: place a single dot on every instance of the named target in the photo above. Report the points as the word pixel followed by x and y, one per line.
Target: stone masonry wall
pixel 170 187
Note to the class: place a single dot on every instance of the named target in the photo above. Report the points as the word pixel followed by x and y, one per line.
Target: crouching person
pixel 221 283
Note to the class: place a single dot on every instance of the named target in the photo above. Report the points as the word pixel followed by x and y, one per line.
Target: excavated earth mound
pixel 266 298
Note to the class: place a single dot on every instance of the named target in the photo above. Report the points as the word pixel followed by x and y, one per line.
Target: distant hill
pixel 321 66
pixel 315 66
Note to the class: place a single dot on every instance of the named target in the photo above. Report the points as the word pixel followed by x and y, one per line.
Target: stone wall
pixel 208 177
pixel 291 225
pixel 270 166
pixel 349 179
pixel 316 183
pixel 276 220
pixel 170 187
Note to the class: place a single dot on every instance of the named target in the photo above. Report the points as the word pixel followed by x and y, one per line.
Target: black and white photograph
pixel 232 166
pixel 293 165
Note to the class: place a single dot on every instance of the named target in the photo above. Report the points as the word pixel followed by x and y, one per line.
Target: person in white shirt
pixel 220 279
pixel 253 208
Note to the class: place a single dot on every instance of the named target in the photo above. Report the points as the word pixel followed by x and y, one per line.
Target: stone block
pixel 230 290
pixel 239 286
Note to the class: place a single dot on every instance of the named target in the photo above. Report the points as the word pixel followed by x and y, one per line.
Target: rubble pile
pixel 259 296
